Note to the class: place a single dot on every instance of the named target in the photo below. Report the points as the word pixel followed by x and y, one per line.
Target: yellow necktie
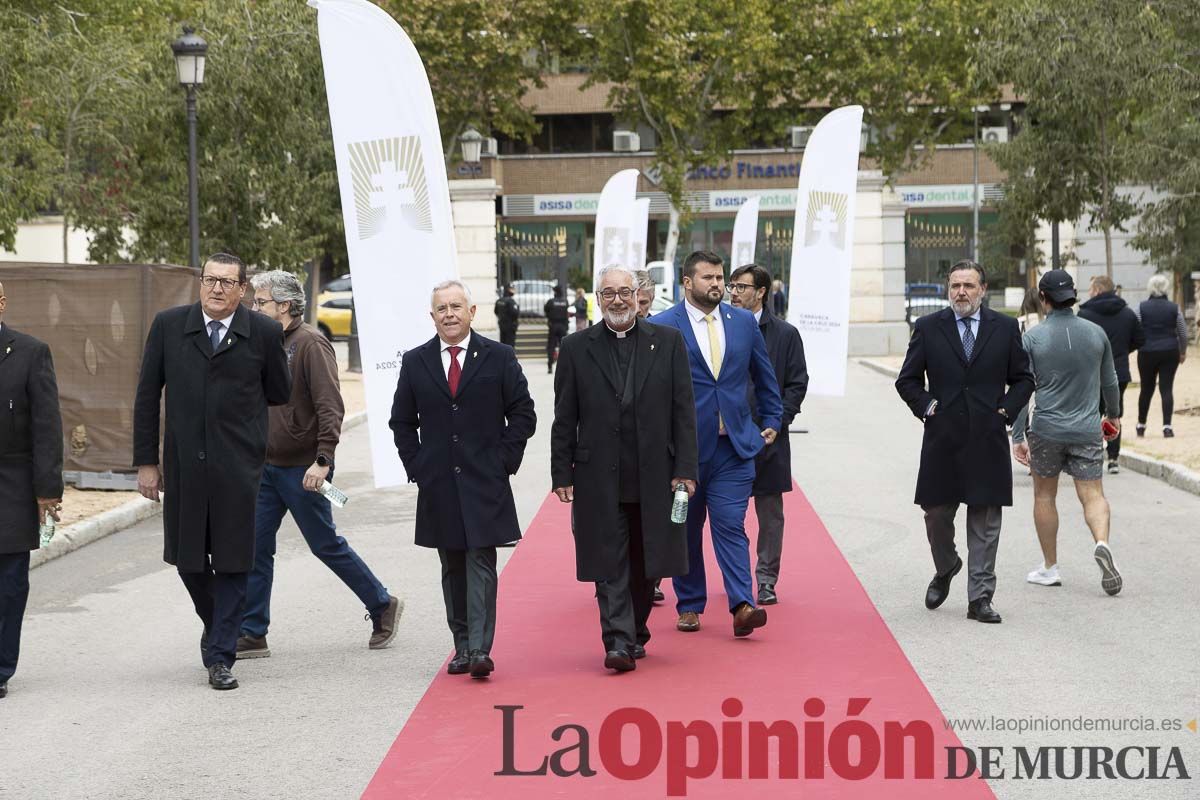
pixel 714 352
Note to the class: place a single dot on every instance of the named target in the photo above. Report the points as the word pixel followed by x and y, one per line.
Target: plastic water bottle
pixel 333 494
pixel 46 530
pixel 680 505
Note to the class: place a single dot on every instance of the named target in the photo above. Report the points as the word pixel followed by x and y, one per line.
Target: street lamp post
pixel 190 51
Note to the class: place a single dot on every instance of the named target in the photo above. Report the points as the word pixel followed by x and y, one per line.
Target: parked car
pixel 531 296
pixel 923 298
pixel 333 317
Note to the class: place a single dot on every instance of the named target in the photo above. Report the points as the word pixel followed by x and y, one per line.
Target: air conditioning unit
pixel 626 142
pixel 490 147
pixel 994 135
pixel 799 135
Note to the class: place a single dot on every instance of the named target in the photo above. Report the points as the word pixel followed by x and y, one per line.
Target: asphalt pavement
pixel 111 701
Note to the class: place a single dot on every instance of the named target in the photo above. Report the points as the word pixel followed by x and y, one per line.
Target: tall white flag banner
pixel 745 233
pixel 395 198
pixel 614 221
pixel 637 235
pixel 822 245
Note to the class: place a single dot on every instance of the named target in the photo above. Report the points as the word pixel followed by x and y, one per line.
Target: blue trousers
pixel 722 495
pixel 14 593
pixel 282 490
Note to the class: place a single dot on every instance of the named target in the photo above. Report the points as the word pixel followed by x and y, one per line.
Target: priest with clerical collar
pixel 623 439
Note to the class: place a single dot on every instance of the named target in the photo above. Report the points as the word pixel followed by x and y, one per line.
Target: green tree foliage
pixel 1081 68
pixel 1168 155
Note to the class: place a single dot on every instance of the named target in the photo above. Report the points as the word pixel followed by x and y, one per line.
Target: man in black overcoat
pixel 508 317
pixel 624 436
pixel 31 482
pixel 461 417
pixel 979 378
pixel 748 288
pixel 221 366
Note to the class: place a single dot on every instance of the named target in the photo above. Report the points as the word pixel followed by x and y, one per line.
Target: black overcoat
pixel 585 445
pixel 965 453
pixel 773 464
pixel 460 450
pixel 215 440
pixel 31 438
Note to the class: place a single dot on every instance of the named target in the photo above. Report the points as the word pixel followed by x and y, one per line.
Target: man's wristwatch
pixel 324 461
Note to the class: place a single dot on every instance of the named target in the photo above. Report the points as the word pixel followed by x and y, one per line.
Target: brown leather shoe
pixel 746 618
pixel 383 627
pixel 689 621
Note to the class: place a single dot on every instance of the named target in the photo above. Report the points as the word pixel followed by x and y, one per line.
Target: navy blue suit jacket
pixel 744 363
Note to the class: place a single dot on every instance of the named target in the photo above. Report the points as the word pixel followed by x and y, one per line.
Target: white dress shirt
pixel 700 329
pixel 209 320
pixel 462 356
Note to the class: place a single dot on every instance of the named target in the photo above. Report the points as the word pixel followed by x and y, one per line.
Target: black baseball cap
pixel 1058 285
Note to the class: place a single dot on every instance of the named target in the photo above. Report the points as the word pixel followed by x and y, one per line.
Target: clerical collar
pixel 621 334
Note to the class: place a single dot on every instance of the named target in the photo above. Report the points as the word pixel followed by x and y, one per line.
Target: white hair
pixel 284 287
pixel 1158 285
pixel 451 284
pixel 633 278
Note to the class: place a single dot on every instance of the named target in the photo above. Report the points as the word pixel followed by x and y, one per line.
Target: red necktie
pixel 455 370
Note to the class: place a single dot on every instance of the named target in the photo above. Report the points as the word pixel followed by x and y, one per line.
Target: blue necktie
pixel 215 334
pixel 968 339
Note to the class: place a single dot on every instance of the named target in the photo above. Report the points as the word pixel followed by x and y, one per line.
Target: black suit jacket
pixel 216 430
pixel 965 454
pixel 460 450
pixel 585 444
pixel 773 464
pixel 31 438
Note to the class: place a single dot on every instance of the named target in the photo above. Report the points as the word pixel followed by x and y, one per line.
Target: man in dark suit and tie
pixel 461 417
pixel 221 366
pixel 624 437
pixel 31 481
pixel 978 380
pixel 727 355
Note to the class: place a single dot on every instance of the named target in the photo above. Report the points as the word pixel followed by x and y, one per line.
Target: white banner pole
pixel 395 197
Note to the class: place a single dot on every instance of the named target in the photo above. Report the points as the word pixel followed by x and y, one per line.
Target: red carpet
pixel 824 652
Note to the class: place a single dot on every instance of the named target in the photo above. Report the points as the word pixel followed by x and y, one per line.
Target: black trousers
pixel 14 594
pixel 508 336
pixel 626 599
pixel 555 336
pixel 1158 366
pixel 469 591
pixel 220 601
pixel 1114 446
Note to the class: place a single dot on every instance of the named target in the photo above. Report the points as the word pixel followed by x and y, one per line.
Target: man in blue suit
pixel 728 357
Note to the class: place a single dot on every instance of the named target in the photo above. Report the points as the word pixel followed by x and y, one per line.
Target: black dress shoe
pixel 766 595
pixel 460 664
pixel 619 660
pixel 480 665
pixel 658 592
pixel 939 587
pixel 219 677
pixel 637 651
pixel 982 611
pixel 4 689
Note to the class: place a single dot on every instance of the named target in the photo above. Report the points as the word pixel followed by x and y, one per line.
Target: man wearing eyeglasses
pixel 624 436
pixel 221 367
pixel 303 437
pixel 748 289
pixel 728 360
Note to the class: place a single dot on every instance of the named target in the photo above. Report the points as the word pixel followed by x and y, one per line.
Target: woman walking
pixel 1165 349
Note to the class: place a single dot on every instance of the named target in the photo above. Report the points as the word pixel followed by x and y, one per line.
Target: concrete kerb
pixel 1173 474
pixel 84 532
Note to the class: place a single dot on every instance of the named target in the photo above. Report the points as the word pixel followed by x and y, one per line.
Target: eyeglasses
pixel 260 303
pixel 739 287
pixel 611 294
pixel 226 283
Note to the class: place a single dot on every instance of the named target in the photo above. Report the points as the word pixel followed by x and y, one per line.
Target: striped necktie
pixel 968 339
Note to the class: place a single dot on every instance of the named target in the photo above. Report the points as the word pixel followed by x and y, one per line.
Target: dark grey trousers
pixel 983 540
pixel 769 510
pixel 469 591
pixel 625 600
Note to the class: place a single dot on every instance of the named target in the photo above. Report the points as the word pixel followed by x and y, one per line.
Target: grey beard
pixel 620 321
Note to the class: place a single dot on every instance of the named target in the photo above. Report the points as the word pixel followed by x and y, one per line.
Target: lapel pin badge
pixel 475 354
pixel 7 350
pixel 651 347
